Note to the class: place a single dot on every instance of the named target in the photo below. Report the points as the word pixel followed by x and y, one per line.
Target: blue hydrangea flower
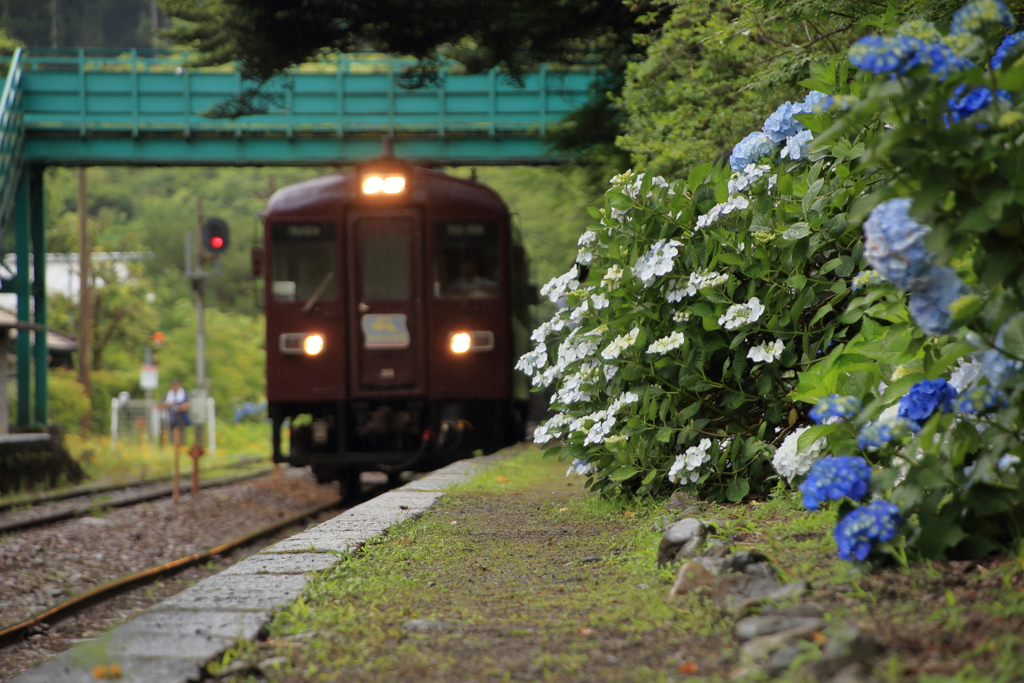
pixel 931 298
pixel 982 400
pixel 997 367
pixel 962 105
pixel 1006 48
pixel 880 432
pixel 894 243
pixel 836 406
pixel 797 146
pixel 883 54
pixel 857 532
pixel 978 14
pixel 750 149
pixel 865 278
pixel 845 476
pixel 940 58
pixel 815 102
pixel 925 397
pixel 781 124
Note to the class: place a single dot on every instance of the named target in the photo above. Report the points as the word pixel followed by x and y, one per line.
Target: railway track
pixel 65 507
pixel 55 613
pixel 56 584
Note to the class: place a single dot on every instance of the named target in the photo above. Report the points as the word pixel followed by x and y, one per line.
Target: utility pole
pixel 84 293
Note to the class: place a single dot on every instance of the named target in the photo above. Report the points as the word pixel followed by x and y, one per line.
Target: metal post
pixel 84 294
pixel 23 288
pixel 37 221
pixel 200 327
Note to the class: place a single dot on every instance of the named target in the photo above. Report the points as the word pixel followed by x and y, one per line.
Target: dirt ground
pixel 532 579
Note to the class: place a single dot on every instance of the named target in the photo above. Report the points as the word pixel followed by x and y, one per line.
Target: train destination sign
pixel 385 331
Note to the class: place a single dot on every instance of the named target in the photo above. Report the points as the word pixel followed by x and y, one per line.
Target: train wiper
pixel 317 292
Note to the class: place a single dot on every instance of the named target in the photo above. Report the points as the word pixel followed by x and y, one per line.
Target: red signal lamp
pixel 215 235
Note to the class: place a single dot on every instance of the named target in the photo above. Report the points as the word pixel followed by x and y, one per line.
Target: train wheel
pixel 348 485
pixel 394 479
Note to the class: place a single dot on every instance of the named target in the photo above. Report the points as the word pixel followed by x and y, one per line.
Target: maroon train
pixel 396 302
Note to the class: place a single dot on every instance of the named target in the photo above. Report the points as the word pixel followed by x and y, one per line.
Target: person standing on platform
pixel 176 403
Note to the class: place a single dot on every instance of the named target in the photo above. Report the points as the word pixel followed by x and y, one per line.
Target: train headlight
pixel 313 344
pixel 302 343
pixel 476 341
pixel 461 341
pixel 390 184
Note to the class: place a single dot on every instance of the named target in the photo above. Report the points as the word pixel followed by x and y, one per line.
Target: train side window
pixel 466 260
pixel 304 260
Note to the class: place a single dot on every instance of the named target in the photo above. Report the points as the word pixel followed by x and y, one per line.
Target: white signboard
pixel 149 377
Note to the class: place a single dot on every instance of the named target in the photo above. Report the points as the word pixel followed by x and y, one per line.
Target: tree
pixel 715 66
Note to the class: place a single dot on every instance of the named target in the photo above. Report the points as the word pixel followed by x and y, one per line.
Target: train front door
pixel 385 270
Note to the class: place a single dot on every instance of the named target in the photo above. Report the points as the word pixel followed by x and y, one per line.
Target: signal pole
pixel 200 315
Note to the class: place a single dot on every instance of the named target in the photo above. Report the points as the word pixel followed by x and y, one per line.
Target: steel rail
pixel 83 510
pixel 107 590
pixel 92 489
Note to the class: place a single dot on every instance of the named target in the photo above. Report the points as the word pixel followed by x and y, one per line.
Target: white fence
pixel 139 418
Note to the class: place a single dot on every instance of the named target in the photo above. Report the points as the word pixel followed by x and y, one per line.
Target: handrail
pixel 12 136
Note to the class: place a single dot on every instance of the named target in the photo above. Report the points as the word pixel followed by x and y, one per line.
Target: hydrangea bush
pixel 692 307
pixel 859 265
pixel 941 116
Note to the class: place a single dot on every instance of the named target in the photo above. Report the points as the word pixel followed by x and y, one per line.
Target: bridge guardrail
pixel 12 136
pixel 99 92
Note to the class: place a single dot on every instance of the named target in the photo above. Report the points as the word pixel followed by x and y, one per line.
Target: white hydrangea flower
pixel 769 352
pixel 577 313
pixel 610 371
pixel 666 344
pixel 676 294
pixel 581 468
pixel 557 287
pixel 587 238
pixel 658 260
pixel 612 277
pixel 734 203
pixel 533 361
pixel 966 376
pixel 584 257
pixel 695 456
pixel 550 429
pixel 677 468
pixel 741 314
pixel 790 462
pixel 750 175
pixel 620 344
pixel 707 278
pixel 599 301
pixel 623 400
pixel 681 316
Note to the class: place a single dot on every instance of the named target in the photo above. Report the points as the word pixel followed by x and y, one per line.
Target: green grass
pixel 241 448
pixel 502 558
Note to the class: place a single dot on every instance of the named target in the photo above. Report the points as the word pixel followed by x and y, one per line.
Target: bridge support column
pixel 40 350
pixel 23 289
pixel 30 251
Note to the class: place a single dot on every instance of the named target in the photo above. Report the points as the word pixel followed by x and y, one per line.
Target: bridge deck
pixel 83 109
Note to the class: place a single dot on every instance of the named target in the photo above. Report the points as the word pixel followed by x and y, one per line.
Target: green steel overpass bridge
pixel 108 108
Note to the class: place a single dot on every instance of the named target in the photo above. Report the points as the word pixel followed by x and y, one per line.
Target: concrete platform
pixel 174 640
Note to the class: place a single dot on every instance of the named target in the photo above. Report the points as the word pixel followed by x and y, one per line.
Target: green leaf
pixel 623 473
pixel 937 534
pixel 737 490
pixel 812 434
pixel 1013 336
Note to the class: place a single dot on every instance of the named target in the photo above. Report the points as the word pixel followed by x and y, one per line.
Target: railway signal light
pixel 216 235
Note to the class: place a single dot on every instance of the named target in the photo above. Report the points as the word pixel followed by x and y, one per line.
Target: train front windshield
pixel 304 262
pixel 466 260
